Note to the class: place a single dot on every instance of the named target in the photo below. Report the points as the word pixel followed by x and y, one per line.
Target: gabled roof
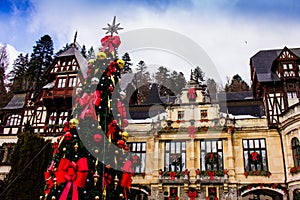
pixel 73 51
pixel 263 61
pixel 18 101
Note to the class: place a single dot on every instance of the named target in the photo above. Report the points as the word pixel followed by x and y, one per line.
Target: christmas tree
pixel 91 160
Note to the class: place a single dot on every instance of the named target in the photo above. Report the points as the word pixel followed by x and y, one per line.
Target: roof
pixel 126 79
pixel 263 60
pixel 153 96
pixel 18 101
pixel 73 51
pixel 234 96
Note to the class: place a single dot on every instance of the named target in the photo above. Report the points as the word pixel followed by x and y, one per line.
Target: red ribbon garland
pixel 110 42
pixel 192 93
pixel 97 98
pixel 192 195
pixel 49 182
pixel 72 173
pixel 106 180
pixel 89 110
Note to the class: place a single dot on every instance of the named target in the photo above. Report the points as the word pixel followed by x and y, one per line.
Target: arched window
pixel 296 151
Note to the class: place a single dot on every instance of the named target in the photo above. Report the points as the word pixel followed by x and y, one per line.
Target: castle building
pixel 241 146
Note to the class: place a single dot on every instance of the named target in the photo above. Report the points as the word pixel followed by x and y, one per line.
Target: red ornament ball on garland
pixel 68 136
pixel 121 144
pixel 97 137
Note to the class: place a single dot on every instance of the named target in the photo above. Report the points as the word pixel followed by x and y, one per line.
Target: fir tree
pixel 40 60
pixel 237 84
pixel 128 64
pixel 4 62
pixel 17 76
pixel 83 51
pixel 91 54
pixel 94 164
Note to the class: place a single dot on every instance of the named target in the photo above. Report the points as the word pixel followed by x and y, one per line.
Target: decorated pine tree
pixel 91 160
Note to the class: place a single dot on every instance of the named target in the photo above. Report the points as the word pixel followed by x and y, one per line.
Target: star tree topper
pixel 113 28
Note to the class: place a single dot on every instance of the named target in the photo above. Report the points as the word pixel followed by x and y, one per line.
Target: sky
pixel 214 34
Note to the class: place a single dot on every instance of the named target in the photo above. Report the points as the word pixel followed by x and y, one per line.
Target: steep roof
pixel 73 51
pixel 18 101
pixel 262 61
pixel 126 79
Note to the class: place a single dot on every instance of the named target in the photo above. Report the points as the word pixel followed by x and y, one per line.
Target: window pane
pixel 219 144
pixel 133 146
pixel 167 146
pixel 183 145
pixel 214 146
pixel 172 147
pixel 256 143
pixel 245 144
pixel 144 146
pixel 262 143
pixel 251 144
pixel 138 146
pixel 177 147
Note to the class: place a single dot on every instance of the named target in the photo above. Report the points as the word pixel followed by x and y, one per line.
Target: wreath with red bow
pixel 211 158
pixel 255 157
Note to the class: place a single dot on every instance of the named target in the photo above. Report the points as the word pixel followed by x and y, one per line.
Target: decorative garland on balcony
pixel 258 173
pixel 295 170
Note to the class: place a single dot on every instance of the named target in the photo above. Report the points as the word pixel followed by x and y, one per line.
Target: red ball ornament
pixel 97 137
pixel 126 148
pixel 68 136
pixel 121 144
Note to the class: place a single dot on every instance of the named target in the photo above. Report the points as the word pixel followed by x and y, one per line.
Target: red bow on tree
pixel 126 176
pixel 87 100
pixel 110 42
pixel 49 182
pixel 97 98
pixel 73 173
pixel 192 195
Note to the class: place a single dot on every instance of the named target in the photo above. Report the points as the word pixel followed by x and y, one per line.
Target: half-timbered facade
pixel 275 77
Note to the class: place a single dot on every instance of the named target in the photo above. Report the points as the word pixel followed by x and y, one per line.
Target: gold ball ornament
pixel 64 149
pixel 73 123
pixel 97 197
pixel 91 61
pixel 53 198
pixel 116 152
pixel 125 136
pixel 96 151
pixel 120 63
pixel 101 56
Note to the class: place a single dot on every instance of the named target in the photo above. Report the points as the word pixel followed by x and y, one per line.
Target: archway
pixel 262 194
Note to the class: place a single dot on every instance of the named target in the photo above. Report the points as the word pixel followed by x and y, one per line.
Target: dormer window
pixel 288 70
pixel 72 81
pixel 61 82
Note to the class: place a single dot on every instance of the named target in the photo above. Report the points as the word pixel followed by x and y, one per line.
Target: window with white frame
pixel 255 155
pixel 175 156
pixel 211 155
pixel 14 120
pixel 138 150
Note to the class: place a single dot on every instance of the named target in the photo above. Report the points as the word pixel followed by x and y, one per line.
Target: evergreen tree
pixel 143 80
pixel 177 82
pixel 211 86
pixel 29 161
pixel 40 60
pixel 127 66
pixel 4 62
pixel 17 76
pixel 97 164
pixel 198 76
pixel 91 54
pixel 83 51
pixel 237 84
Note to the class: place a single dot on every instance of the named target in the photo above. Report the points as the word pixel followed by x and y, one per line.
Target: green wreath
pixel 211 158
